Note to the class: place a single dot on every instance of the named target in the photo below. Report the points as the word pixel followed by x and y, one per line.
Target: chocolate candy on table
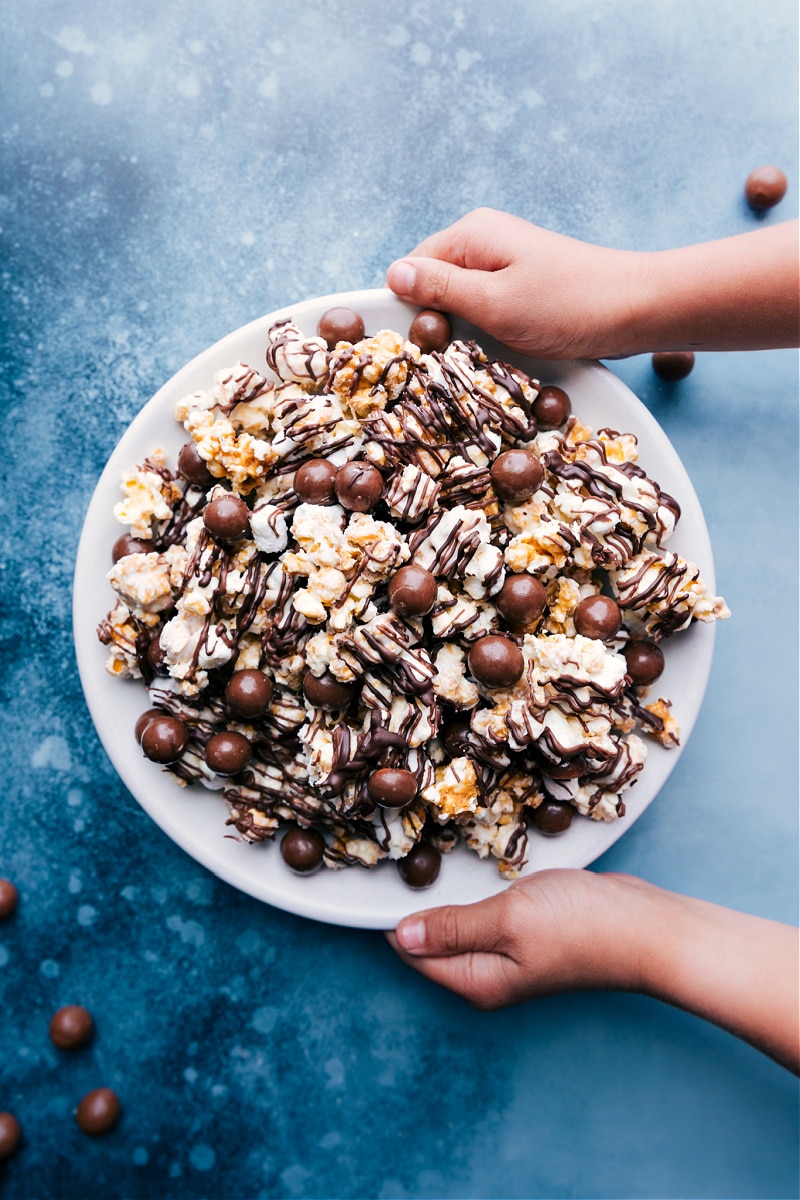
pixel 248 694
pixel 302 849
pixel 164 739
pixel 9 898
pixel 673 365
pixel 430 330
pixel 392 787
pixel 552 407
pixel 129 545
pixel 228 752
pixel 496 661
pixel 10 1134
pixel 71 1027
pixel 192 467
pixel 553 816
pixel 765 187
pixel 326 691
pixel 227 518
pixel 340 325
pixel 645 661
pixel 597 617
pixel 156 658
pixel 420 867
pixel 521 600
pixel 358 485
pixel 98 1112
pixel 516 475
pixel 313 482
pixel 412 591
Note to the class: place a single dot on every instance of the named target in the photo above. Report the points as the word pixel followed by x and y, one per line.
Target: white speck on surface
pixel 131 51
pixel 398 36
pixel 140 1157
pixel 190 1075
pixel 268 86
pixel 189 87
pixel 421 54
pixel 248 238
pixel 466 59
pixel 276 47
pixel 294 1179
pixel 101 93
pixel 4 956
pixel 331 1140
pixel 65 68
pixel 75 882
pixel 74 797
pixel 219 1089
pixel 47 90
pixel 74 40
pixel 334 1069
pixel 265 1019
pixel 191 933
pixel 202 1157
pixel 531 98
pixel 53 753
pixel 79 825
pixel 196 46
pixel 86 915
pixel 151 956
pixel 49 968
pixel 129 892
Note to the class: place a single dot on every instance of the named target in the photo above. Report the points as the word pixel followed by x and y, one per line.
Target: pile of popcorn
pixel 393 596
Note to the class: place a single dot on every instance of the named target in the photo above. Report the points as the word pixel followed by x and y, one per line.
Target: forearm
pixel 740 293
pixel 735 970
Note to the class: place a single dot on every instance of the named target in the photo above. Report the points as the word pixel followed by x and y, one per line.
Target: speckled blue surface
pixel 170 172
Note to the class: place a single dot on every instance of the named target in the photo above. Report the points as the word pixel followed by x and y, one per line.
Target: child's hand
pixel 538 292
pixel 554 931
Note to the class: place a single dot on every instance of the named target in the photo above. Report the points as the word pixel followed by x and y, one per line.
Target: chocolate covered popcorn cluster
pixel 395 595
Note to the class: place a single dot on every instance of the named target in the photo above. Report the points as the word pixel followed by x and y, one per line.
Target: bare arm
pixel 555 297
pixel 571 930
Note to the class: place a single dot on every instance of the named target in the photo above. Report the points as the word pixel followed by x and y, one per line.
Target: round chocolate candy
pixel 551 408
pixel 570 768
pixel 144 720
pixel 129 545
pixel 227 518
pixel 313 482
pixel 340 325
pixel 164 739
pixel 672 365
pixel 302 850
pixel 98 1112
pixel 597 617
pixel 392 787
pixel 553 816
pixel 248 694
pixel 9 899
pixel 516 475
pixel 325 691
pixel 496 661
pixel 765 187
pixel 645 661
pixel 420 867
pixel 192 467
pixel 156 658
pixel 430 330
pixel 358 486
pixel 521 600
pixel 10 1134
pixel 457 737
pixel 412 591
pixel 71 1027
pixel 228 752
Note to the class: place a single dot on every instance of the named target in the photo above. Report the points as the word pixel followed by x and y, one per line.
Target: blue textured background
pixel 170 172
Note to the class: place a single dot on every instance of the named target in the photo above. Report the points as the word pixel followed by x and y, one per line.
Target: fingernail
pixel 402 277
pixel 411 934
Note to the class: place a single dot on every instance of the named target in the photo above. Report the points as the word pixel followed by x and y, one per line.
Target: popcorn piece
pixel 450 682
pixel 149 582
pixel 666 592
pixel 149 497
pixel 294 357
pixel 366 376
pixel 457 542
pixel 411 494
pixel 455 790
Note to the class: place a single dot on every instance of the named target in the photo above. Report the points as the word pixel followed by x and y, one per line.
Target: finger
pixel 482 240
pixel 431 283
pixel 481 978
pixel 455 929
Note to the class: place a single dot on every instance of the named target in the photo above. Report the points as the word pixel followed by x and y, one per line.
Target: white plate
pixel 194 817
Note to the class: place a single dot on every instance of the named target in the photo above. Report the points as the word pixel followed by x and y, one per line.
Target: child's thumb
pixel 433 283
